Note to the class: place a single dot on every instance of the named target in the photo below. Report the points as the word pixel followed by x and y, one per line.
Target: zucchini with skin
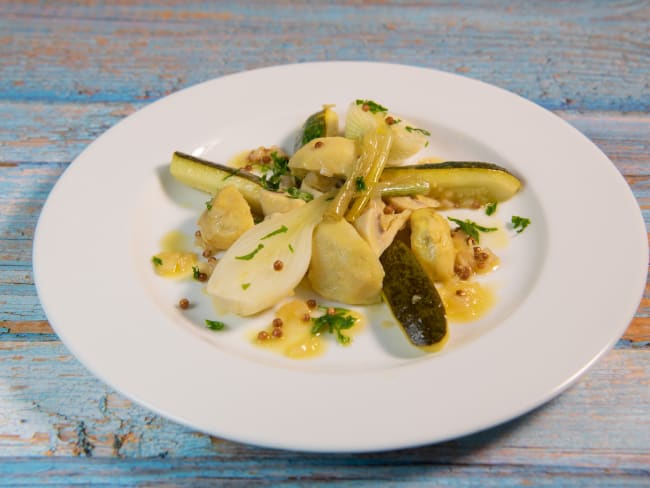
pixel 412 297
pixel 324 123
pixel 210 177
pixel 465 184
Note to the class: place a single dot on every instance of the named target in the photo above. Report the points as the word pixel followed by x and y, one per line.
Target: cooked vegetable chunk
pixel 367 116
pixel 412 297
pixel 432 244
pixel 328 156
pixel 378 227
pixel 324 123
pixel 211 177
pixel 343 267
pixel 267 262
pixel 458 184
pixel 226 217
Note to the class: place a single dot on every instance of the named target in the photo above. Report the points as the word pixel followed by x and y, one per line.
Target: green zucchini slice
pixel 211 177
pixel 324 123
pixel 465 184
pixel 412 297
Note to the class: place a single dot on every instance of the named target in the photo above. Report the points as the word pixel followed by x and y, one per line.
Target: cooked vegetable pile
pixel 349 211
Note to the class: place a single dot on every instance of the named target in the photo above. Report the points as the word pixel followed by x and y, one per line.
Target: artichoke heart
pixel 327 156
pixel 343 266
pixel 432 244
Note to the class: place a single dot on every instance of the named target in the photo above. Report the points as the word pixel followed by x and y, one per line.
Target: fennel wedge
pixel 267 262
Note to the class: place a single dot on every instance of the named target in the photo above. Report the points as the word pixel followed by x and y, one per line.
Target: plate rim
pixel 39 257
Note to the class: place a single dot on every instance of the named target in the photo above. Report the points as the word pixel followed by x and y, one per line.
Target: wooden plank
pixel 50 405
pixel 42 132
pixel 581 55
pixel 345 472
pixel 38 132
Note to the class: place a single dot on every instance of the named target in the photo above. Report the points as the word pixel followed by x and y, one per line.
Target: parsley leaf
pixel 280 167
pixel 156 260
pixel 415 129
pixel 373 107
pixel 251 255
pixel 519 223
pixel 279 230
pixel 214 324
pixel 471 228
pixel 196 272
pixel 294 192
pixel 230 175
pixel 244 286
pixel 490 208
pixel 208 205
pixel 334 323
pixel 290 248
pixel 359 183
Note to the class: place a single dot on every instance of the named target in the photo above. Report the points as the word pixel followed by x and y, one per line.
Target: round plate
pixel 567 287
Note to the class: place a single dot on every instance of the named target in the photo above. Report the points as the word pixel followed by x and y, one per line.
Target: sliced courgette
pixel 211 177
pixel 412 297
pixel 465 184
pixel 324 123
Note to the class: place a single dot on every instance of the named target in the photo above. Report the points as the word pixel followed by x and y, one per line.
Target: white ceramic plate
pixel 568 286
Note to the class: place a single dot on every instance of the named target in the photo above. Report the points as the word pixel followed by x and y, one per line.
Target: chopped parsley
pixel 214 324
pixel 415 129
pixel 334 323
pixel 290 248
pixel 471 228
pixel 251 255
pixel 156 260
pixel 519 223
pixel 196 272
pixel 359 183
pixel 490 208
pixel 244 286
pixel 294 192
pixel 373 107
pixel 208 204
pixel 229 175
pixel 279 168
pixel 279 230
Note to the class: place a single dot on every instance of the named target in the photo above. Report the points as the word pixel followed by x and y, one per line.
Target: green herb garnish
pixel 196 272
pixel 280 230
pixel 472 228
pixel 334 323
pixel 231 174
pixel 490 208
pixel 294 192
pixel 290 248
pixel 208 204
pixel 519 223
pixel 214 324
pixel 244 286
pixel 251 255
pixel 156 260
pixel 415 129
pixel 373 107
pixel 280 167
pixel 359 183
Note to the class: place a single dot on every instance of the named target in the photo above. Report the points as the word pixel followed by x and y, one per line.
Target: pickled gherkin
pixel 412 297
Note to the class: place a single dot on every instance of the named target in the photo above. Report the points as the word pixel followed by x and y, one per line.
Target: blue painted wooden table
pixel 69 72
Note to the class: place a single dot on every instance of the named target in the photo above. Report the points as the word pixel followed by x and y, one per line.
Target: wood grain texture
pixel 69 71
pixel 50 405
pixel 581 55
